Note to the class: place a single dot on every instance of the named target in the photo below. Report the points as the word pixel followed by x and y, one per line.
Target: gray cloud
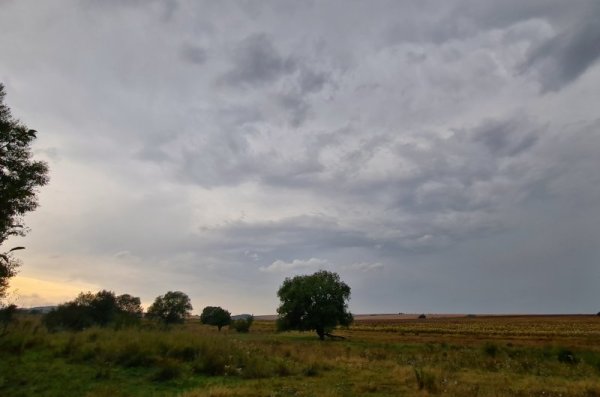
pixel 214 147
pixel 564 57
pixel 256 61
pixel 193 54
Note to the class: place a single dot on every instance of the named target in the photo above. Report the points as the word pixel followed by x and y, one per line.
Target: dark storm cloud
pixel 506 137
pixel 257 61
pixel 564 57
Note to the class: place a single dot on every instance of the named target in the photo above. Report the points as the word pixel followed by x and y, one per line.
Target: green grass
pixel 449 358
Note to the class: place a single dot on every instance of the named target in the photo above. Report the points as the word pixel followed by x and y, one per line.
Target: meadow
pixel 453 356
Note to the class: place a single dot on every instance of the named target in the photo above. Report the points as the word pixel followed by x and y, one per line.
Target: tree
pixel 102 309
pixel 20 176
pixel 130 305
pixel 215 315
pixel 170 308
pixel 314 302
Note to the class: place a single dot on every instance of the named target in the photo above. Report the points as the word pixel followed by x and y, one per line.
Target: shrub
pixel 567 356
pixel 422 316
pixel 490 349
pixel 6 316
pixel 70 316
pixel 243 324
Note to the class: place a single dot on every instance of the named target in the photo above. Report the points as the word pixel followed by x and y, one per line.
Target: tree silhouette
pixel 20 176
pixel 215 315
pixel 170 308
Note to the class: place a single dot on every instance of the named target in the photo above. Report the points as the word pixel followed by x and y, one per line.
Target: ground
pixel 381 356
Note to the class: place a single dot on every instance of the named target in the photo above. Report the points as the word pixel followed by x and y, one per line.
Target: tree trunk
pixel 219 326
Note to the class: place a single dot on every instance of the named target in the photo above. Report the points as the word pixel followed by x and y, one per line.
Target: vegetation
pixel 314 302
pixel 171 308
pixel 101 309
pixel 242 324
pixel 20 176
pixel 215 315
pixel 483 356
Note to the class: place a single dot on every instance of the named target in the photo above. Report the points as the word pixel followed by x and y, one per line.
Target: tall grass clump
pixel 426 380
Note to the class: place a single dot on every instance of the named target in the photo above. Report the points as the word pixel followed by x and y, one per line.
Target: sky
pixel 440 156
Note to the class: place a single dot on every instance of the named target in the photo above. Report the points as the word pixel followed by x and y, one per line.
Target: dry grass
pixel 481 356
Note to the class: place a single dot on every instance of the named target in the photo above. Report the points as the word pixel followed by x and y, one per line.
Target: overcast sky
pixel 440 156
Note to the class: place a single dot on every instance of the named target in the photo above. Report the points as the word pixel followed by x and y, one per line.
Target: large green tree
pixel 314 302
pixel 172 307
pixel 20 177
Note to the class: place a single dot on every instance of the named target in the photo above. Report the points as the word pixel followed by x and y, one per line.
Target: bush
pixel 422 316
pixel 490 349
pixel 6 316
pixel 243 324
pixel 69 316
pixel 567 356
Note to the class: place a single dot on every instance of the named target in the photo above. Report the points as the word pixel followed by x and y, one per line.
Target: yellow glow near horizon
pixel 29 291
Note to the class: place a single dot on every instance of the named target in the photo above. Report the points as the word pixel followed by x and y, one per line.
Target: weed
pixel 490 349
pixel 425 379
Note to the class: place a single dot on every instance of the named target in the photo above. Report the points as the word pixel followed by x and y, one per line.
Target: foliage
pixel 314 302
pixel 20 176
pixel 170 308
pixel 102 309
pixel 6 316
pixel 8 269
pixel 242 325
pixel 215 315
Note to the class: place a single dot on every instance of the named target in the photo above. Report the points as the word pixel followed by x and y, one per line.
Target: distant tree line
pixel 105 308
pixel 101 309
pixel 315 302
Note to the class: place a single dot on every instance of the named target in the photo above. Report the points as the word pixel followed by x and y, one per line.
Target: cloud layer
pixel 442 158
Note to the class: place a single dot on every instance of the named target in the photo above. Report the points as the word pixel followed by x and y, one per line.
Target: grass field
pixel 460 356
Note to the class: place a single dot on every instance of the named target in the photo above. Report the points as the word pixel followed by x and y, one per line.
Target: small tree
pixel 20 176
pixel 215 315
pixel 242 325
pixel 314 302
pixel 171 308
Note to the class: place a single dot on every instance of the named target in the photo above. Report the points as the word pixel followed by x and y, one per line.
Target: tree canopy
pixel 102 308
pixel 20 176
pixel 314 302
pixel 215 315
pixel 171 308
